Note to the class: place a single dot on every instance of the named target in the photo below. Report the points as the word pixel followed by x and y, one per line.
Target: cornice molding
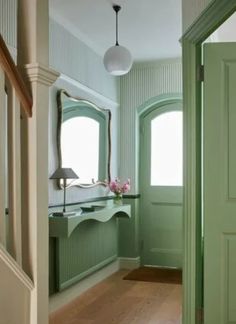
pixel 41 74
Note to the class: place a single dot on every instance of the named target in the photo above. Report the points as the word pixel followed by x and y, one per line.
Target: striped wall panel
pixel 73 58
pixel 91 246
pixel 8 21
pixel 191 9
pixel 145 81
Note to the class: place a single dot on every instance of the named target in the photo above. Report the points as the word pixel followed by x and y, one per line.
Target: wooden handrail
pixel 14 76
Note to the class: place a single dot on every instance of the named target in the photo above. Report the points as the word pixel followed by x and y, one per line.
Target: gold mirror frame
pixel 107 113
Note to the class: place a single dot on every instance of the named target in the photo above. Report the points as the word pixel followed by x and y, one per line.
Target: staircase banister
pixel 15 78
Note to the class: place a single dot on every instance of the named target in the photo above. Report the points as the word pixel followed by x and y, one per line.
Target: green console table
pixel 64 226
pixel 83 243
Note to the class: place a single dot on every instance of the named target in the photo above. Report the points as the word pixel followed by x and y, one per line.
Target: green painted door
pixel 219 183
pixel 161 186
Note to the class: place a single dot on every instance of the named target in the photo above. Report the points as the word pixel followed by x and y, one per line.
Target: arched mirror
pixel 84 140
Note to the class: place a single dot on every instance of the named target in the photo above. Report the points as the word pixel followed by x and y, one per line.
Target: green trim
pixel 212 17
pixel 159 101
pixel 84 274
pixel 148 106
pixel 209 20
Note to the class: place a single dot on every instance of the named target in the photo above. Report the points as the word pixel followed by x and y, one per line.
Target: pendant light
pixel 117 59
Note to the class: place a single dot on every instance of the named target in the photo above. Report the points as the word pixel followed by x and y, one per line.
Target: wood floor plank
pixel 118 301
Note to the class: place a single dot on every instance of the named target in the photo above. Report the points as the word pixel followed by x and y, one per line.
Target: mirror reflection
pixel 84 142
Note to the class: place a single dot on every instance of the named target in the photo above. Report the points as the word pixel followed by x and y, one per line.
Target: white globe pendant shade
pixel 117 60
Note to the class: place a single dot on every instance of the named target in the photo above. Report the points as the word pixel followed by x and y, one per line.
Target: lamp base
pixel 64 214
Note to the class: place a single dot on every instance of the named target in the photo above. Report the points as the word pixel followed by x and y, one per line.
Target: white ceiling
pixel 150 29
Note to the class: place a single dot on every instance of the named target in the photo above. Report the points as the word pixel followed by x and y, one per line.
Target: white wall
pixel 72 57
pixel 82 75
pixel 144 82
pixel 87 78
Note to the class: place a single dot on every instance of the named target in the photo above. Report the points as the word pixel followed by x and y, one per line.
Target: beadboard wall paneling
pixel 191 9
pixel 144 82
pixel 8 21
pixel 97 244
pixel 72 57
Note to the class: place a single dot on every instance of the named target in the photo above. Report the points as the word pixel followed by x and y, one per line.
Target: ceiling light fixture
pixel 117 59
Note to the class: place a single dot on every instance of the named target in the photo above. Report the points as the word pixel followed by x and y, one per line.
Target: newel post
pixel 33 59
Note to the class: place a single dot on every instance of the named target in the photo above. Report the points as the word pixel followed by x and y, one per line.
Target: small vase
pixel 118 199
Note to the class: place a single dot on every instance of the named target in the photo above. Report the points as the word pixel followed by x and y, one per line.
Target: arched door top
pixel 158 102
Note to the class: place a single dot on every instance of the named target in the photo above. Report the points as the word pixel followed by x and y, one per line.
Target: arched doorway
pixel 160 172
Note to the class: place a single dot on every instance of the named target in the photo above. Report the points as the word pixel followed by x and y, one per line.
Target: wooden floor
pixel 117 301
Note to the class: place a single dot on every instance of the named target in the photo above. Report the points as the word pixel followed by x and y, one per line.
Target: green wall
pixel 90 247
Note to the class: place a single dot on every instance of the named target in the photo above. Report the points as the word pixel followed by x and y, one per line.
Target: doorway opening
pixel 195 186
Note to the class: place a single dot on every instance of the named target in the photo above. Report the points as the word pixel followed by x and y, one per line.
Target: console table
pixel 82 243
pixel 64 226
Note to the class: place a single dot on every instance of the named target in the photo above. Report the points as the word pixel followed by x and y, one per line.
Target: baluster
pixel 14 174
pixel 3 129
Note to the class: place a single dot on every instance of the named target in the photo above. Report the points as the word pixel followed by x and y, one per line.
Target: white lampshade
pixel 117 60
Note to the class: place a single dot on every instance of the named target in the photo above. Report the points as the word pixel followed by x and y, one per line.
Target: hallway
pixel 118 301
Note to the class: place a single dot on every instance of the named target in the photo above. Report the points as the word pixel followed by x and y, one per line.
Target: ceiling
pixel 150 29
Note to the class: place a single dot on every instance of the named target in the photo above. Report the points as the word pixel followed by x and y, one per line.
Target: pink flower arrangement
pixel 118 188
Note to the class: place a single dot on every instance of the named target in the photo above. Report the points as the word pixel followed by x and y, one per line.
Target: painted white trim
pixel 129 263
pixel 6 258
pixel 41 74
pixel 66 296
pixel 89 93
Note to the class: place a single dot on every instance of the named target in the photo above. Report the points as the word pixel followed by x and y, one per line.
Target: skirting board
pixel 129 263
pixel 60 299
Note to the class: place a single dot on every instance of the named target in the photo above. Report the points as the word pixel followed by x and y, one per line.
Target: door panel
pixel 219 183
pixel 160 206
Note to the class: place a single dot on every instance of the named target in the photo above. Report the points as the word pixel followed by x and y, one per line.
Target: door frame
pixel 153 104
pixel 210 19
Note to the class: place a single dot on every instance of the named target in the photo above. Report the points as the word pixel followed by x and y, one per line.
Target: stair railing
pixel 15 103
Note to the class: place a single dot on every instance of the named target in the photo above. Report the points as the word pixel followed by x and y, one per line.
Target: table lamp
pixel 64 173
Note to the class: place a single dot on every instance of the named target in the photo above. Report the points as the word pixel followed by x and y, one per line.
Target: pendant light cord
pixel 117 9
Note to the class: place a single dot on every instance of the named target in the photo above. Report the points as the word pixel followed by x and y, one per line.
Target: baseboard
pixel 60 299
pixel 129 263
pixel 87 273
